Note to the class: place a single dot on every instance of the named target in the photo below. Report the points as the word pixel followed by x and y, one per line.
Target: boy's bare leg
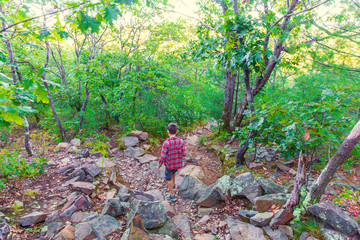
pixel 173 179
pixel 170 183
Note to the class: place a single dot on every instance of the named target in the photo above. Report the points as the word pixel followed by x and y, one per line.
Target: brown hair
pixel 172 128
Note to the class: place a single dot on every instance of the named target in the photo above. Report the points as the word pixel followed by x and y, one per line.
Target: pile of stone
pixel 133 149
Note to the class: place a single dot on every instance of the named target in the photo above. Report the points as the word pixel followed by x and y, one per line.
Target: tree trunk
pixel 240 155
pixel 236 94
pixel 230 79
pixel 51 103
pixel 87 94
pixel 319 186
pixel 27 136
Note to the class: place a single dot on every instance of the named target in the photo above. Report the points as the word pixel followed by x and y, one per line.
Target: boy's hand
pixel 158 168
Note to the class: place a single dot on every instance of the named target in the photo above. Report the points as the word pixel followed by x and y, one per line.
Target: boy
pixel 172 154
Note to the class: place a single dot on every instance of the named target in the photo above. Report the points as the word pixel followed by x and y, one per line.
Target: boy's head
pixel 172 128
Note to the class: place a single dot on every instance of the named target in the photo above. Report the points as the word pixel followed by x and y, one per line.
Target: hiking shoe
pixel 170 198
pixel 174 187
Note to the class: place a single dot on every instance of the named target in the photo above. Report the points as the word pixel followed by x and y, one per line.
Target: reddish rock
pixel 282 217
pixel 32 218
pixel 169 209
pixel 84 187
pixel 68 233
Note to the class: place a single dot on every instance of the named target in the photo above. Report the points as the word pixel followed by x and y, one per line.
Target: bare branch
pixel 33 18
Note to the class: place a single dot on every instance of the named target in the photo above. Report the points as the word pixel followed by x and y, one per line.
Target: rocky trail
pixel 85 196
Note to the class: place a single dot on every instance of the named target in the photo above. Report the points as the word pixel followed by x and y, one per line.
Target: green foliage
pixel 303 118
pixel 11 165
pixel 307 225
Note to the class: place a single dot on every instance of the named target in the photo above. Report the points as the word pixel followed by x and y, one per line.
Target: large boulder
pixel 114 208
pixel 103 225
pixel 275 234
pixel 192 188
pixel 146 158
pixel 262 219
pixel 153 214
pixel 32 218
pixel 240 183
pixel 265 202
pixel 244 231
pixel 75 142
pixel 130 141
pixel 335 217
pixel 84 187
pixel 91 169
pixel 182 223
pixel 169 228
pixel 224 184
pixel 271 187
pixel 331 234
pixel 193 171
pixel 211 197
pixel 143 136
pixel 134 152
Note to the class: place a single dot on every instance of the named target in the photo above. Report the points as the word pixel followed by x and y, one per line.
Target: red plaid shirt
pixel 172 153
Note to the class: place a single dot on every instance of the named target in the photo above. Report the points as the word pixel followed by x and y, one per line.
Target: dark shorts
pixel 169 174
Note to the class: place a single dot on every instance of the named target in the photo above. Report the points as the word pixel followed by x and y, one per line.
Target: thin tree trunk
pixel 27 136
pixel 87 94
pixel 230 79
pixel 51 103
pixel 237 94
pixel 294 199
pixel 240 155
pixel 319 186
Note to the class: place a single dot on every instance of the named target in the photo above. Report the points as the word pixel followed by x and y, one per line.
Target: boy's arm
pixel 163 155
pixel 183 149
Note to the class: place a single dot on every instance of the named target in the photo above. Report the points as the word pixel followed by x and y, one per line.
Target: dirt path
pixel 48 191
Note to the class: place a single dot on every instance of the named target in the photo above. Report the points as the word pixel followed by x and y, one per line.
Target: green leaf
pixel 43 34
pixel 12 117
pixel 127 2
pixel 85 22
pixel 111 13
pixel 41 95
pixel 62 34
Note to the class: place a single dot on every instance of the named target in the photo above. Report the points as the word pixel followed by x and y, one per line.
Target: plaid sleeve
pixel 183 149
pixel 163 154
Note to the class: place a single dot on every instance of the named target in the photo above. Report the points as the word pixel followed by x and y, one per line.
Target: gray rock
pixel 130 141
pixel 271 187
pixel 153 168
pixel 262 219
pixel 132 152
pixel 53 229
pixel 84 231
pixel 104 225
pixel 68 212
pixel 240 183
pixel 247 214
pixel 32 218
pixel 224 184
pixel 105 163
pixel 204 211
pixel 160 237
pixel 4 229
pixel 114 208
pixel 153 214
pixel 157 194
pixel 275 234
pixel 84 153
pixel 140 135
pixel 146 158
pixel 191 188
pixel 211 197
pixel 252 191
pixel 335 217
pixel 66 169
pixel 77 173
pixel 331 234
pixel 80 216
pixel 182 223
pixel 124 193
pixel 265 202
pixel 84 187
pixel 169 228
pixel 244 231
pixel 52 217
pixel 96 155
pixel 75 142
pixel 265 153
pixel 91 169
pixel 144 196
